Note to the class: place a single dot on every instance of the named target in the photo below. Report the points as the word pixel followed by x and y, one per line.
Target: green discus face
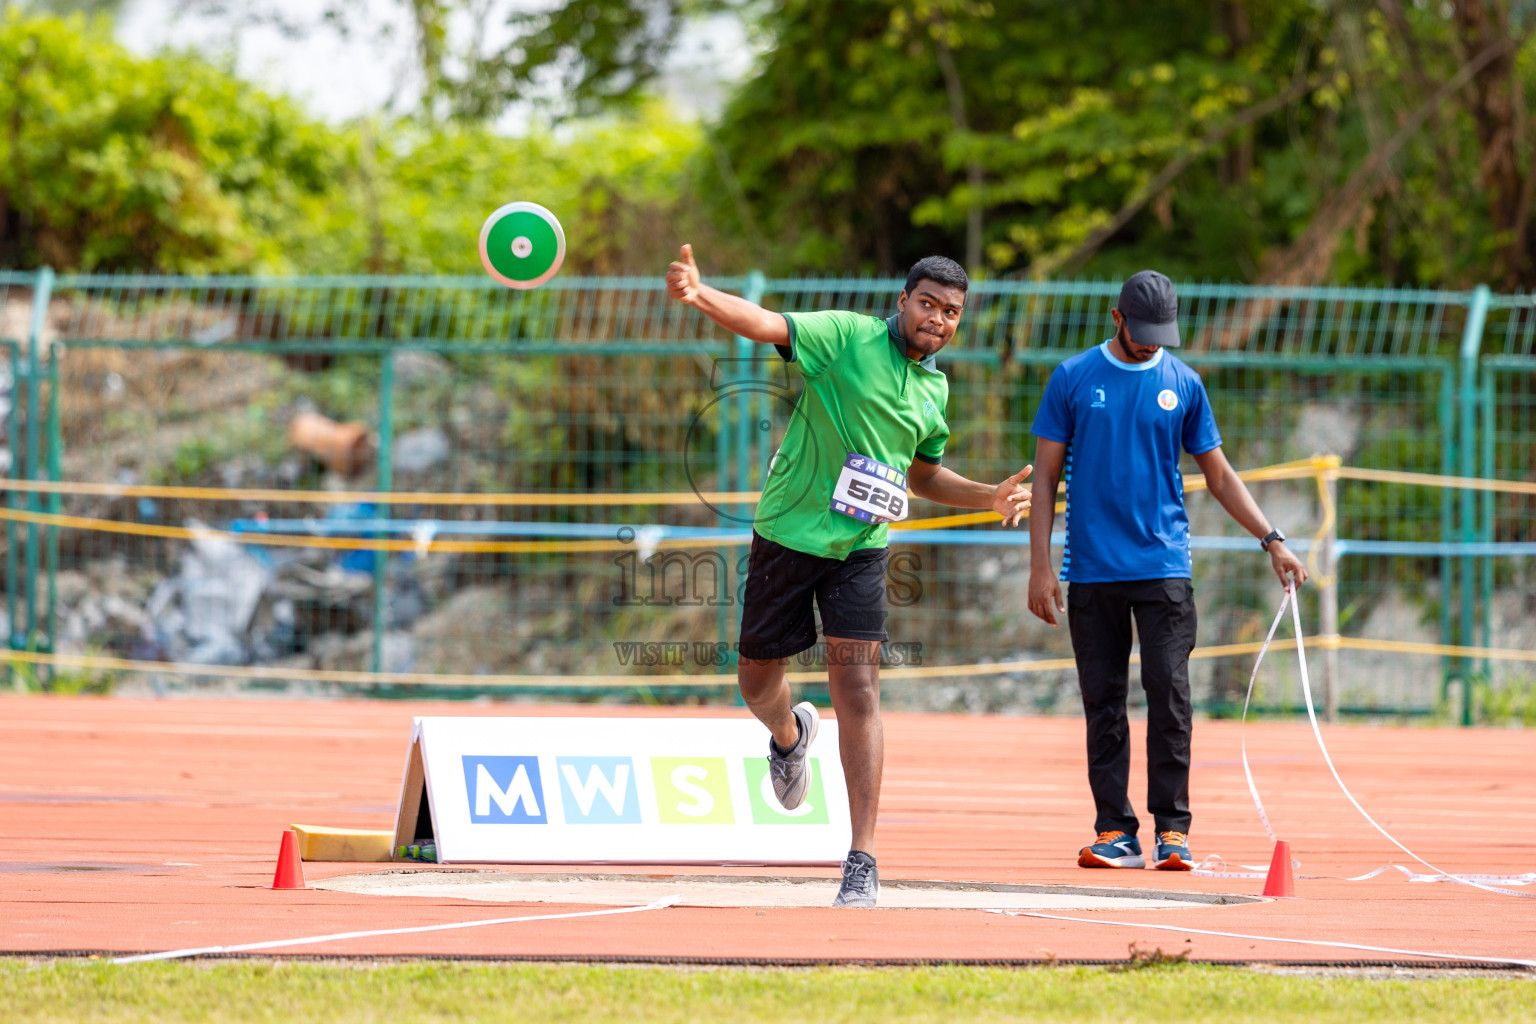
pixel 522 245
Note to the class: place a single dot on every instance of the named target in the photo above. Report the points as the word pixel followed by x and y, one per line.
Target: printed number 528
pixel 878 497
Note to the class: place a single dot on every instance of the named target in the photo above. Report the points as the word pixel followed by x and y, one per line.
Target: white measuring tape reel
pixel 522 245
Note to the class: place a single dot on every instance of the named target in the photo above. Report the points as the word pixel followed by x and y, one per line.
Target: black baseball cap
pixel 1151 309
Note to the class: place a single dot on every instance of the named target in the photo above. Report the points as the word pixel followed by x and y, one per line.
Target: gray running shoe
pixel 861 881
pixel 791 772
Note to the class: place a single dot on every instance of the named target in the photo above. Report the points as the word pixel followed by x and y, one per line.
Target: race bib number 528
pixel 870 491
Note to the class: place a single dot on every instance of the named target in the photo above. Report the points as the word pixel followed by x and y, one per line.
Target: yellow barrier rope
pixel 1320 467
pixel 441 498
pixel 1297 470
pixel 960 519
pixel 91 661
pixel 1194 482
pixel 1326 465
pixel 1350 643
pixel 963 519
pixel 1471 483
pixel 290 540
pixel 425 679
pixel 375 497
pixel 1281 471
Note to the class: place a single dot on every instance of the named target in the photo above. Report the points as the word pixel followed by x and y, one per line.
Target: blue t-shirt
pixel 1123 425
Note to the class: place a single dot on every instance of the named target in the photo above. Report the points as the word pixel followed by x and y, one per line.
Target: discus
pixel 522 245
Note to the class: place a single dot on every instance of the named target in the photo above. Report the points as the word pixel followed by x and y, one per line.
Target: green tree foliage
pixel 114 162
pixel 1280 141
pixel 108 161
pixel 1258 140
pixel 62 6
pixel 898 120
pixel 477 57
pixel 415 195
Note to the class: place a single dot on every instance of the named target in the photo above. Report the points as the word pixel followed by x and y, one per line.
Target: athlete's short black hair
pixel 939 270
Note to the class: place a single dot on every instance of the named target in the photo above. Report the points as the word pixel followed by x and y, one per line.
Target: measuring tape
pixel 1207 867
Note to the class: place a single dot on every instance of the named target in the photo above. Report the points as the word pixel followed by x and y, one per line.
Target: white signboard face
pixel 615 790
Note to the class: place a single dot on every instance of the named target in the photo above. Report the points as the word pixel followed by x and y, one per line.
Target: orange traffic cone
pixel 1279 881
pixel 290 870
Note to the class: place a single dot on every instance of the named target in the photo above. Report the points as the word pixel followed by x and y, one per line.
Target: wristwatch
pixel 1271 537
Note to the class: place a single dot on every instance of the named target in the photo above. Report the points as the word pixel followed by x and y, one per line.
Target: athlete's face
pixel 1129 350
pixel 929 315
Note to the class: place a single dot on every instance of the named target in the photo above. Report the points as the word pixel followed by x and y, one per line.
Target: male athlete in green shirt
pixel 868 428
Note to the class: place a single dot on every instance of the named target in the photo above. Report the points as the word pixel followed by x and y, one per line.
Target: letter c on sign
pixel 772 800
pixel 684 778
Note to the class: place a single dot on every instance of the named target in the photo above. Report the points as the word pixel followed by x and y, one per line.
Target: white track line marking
pixel 1273 938
pixel 339 936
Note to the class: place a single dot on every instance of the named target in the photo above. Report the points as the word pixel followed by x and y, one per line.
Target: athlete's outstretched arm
pixel 732 312
pixel 1228 488
pixel 1009 499
pixel 1044 587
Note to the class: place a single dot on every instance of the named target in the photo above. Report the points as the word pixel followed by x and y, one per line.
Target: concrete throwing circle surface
pixel 754 891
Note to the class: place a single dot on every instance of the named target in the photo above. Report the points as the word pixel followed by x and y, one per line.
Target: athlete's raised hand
pixel 1011 499
pixel 683 277
pixel 734 313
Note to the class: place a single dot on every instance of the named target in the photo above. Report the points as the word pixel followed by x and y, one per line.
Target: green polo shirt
pixel 862 394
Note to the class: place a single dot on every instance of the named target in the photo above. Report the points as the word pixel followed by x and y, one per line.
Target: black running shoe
pixel 791 772
pixel 861 881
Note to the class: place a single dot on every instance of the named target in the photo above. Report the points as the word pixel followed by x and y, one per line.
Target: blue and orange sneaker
pixel 1112 850
pixel 1173 852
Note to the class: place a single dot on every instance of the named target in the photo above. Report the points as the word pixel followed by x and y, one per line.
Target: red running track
pixel 185 801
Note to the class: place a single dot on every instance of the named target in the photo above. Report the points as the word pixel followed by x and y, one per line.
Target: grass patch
pixel 1514 703
pixel 421 990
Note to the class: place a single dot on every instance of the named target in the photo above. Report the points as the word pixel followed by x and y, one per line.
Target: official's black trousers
pixel 1099 616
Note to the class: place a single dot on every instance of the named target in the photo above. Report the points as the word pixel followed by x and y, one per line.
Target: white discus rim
pixel 538 211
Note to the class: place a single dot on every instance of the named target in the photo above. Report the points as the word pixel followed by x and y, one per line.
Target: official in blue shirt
pixel 1114 420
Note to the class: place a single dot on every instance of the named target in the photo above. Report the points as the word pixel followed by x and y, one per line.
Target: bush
pixel 114 162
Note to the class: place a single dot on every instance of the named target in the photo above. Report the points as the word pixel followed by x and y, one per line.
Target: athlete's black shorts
pixel 776 619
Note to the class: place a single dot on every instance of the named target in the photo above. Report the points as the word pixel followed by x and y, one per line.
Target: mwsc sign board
pixel 614 790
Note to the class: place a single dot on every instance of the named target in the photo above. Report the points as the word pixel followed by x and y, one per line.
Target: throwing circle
pixel 522 245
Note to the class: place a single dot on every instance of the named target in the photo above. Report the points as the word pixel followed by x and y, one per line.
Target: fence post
pixel 723 519
pixel 386 482
pixel 1447 417
pixel 752 291
pixel 55 500
pixel 743 400
pixel 1471 345
pixel 12 569
pixel 42 293
pixel 1488 500
pixel 1328 599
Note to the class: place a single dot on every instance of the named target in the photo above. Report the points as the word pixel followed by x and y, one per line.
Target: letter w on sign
pixel 598 790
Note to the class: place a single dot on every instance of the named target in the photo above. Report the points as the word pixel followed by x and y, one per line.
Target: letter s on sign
pixel 685 778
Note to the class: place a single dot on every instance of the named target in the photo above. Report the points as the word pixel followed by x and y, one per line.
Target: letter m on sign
pixel 504 790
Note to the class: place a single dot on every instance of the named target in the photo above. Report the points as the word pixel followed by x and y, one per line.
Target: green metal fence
pixel 1504 606
pixel 604 387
